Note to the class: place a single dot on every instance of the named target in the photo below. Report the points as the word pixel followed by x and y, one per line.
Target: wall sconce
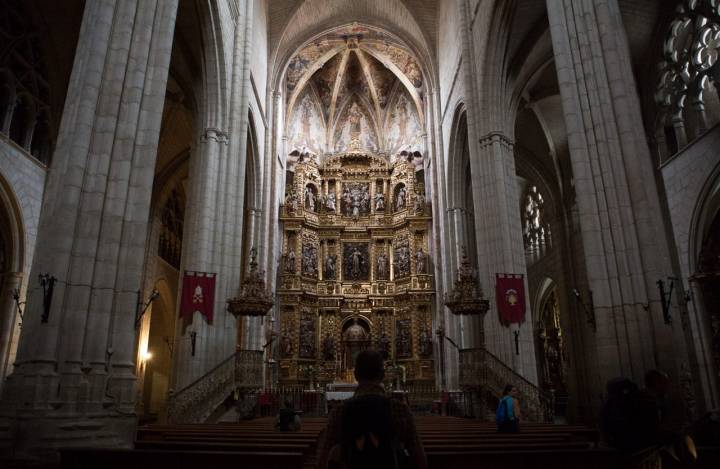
pixel 19 304
pixel 589 310
pixel 47 282
pixel 665 298
pixel 140 312
pixel 193 339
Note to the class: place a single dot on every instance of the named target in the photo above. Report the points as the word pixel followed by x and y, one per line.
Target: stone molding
pixel 214 134
pixel 494 137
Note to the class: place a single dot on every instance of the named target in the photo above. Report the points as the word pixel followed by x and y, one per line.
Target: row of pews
pixel 253 444
pixel 456 443
pixel 450 443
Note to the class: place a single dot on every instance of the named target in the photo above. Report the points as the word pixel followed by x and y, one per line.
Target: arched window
pixel 687 99
pixel 536 230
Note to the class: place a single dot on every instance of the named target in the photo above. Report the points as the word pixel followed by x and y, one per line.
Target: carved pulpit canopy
pixel 254 299
pixel 466 297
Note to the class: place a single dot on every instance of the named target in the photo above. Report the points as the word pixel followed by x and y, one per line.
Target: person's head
pixel 658 382
pixel 369 367
pixel 509 390
pixel 287 404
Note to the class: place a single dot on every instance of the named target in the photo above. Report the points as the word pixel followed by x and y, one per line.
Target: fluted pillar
pixel 214 228
pixel 92 234
pixel 624 243
pixel 500 248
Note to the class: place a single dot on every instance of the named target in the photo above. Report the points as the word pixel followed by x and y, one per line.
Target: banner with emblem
pixel 510 298
pixel 198 294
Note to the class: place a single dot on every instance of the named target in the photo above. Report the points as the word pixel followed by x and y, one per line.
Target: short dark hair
pixel 369 366
pixel 508 388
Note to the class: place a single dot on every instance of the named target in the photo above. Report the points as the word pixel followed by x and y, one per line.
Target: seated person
pixel 288 419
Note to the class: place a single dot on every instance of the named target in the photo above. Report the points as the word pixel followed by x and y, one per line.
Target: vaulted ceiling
pixel 351 71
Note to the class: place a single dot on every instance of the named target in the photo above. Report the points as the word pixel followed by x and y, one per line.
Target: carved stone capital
pixel 496 137
pixel 214 134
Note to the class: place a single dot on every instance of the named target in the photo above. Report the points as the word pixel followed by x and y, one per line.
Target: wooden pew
pixel 91 458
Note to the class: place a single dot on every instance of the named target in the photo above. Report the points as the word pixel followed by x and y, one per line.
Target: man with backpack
pixel 288 419
pixel 370 430
pixel 507 415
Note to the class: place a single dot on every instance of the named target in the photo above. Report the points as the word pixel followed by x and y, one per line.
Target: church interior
pixel 209 208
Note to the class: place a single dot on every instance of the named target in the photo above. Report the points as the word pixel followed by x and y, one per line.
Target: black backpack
pixel 367 436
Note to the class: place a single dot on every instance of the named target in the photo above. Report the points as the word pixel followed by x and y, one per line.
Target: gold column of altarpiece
pixel 355 272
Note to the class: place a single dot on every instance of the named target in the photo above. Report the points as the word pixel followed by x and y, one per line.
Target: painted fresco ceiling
pixel 354 89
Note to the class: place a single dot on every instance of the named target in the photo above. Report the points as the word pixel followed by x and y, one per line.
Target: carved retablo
pixel 356 270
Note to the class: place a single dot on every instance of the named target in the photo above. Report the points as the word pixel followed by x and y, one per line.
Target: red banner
pixel 510 298
pixel 198 294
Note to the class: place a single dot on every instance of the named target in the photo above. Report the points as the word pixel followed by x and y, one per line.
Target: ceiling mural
pixel 400 58
pixel 404 132
pixel 355 128
pixel 324 82
pixel 303 60
pixel 355 88
pixel 307 126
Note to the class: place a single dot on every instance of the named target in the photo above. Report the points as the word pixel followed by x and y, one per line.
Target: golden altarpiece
pixel 355 271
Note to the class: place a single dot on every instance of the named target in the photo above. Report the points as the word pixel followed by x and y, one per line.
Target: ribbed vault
pixel 354 74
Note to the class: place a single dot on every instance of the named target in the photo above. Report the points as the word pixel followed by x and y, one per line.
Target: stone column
pixel 213 236
pixel 92 235
pixel 624 244
pixel 11 281
pixel 500 248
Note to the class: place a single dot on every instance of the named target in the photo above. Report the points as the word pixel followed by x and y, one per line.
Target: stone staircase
pixel 199 400
pixel 485 373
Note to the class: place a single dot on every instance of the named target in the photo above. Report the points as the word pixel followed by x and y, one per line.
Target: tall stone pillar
pixel 624 244
pixel 498 227
pixel 213 235
pixel 76 356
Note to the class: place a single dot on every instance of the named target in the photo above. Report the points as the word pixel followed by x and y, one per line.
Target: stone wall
pixel 691 180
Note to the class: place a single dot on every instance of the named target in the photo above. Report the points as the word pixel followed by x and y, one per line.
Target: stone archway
pixel 356 338
pixel 12 236
pixel 707 278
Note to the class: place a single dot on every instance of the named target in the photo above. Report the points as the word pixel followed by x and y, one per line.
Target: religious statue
pixel 347 198
pixel 355 206
pixel 425 342
pixel 309 199
pixel 419 203
pixel 403 341
pixel 328 348
pixel 290 262
pixel 330 202
pixel 307 338
pixel 420 262
pixel 382 266
pixel 286 346
pixel 330 271
pixel 309 260
pixel 402 260
pixel 291 202
pixel 400 200
pixel 379 202
pixel 356 262
pixel 384 346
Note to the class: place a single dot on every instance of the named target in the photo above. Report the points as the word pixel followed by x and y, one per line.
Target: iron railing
pixel 198 400
pixel 486 373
